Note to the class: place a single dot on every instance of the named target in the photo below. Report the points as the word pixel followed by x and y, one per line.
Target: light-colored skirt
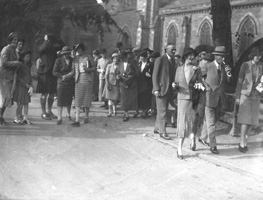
pixel 248 112
pixel 84 90
pixel 185 117
pixel 113 94
pixel 5 93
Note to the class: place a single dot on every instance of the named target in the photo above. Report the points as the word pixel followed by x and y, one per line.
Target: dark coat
pixel 163 75
pixel 129 77
pixel 145 82
pixel 245 79
pixel 214 87
pixel 61 68
pixel 48 55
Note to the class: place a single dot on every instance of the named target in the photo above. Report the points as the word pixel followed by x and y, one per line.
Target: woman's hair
pixel 23 54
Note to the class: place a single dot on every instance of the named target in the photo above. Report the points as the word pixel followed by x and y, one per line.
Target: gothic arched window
pixel 247 35
pixel 172 34
pixel 205 34
pixel 126 37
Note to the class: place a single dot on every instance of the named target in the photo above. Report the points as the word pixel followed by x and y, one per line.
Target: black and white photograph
pixel 131 99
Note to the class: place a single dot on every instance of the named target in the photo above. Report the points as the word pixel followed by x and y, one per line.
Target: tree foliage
pixel 28 16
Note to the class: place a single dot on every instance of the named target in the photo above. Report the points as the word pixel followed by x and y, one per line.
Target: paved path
pixel 108 160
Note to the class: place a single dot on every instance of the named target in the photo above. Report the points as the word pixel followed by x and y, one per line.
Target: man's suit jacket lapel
pixel 192 72
pixel 168 65
pixel 215 74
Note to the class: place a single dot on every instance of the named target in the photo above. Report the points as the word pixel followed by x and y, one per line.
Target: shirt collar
pixel 169 57
pixel 217 65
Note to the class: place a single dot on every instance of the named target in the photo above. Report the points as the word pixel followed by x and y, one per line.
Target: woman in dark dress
pixel 65 84
pixel 23 89
pixel 145 84
pixel 128 85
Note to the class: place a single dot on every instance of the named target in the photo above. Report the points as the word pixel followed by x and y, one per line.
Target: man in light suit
pixel 163 77
pixel 101 68
pixel 217 75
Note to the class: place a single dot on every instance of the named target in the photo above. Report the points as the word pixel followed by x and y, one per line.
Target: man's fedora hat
pixel 220 50
pixel 65 50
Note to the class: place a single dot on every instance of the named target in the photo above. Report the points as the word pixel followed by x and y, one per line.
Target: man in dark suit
pixel 163 77
pixel 217 75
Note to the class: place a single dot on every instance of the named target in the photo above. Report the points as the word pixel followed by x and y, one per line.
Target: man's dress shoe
pixel 214 150
pixel 165 136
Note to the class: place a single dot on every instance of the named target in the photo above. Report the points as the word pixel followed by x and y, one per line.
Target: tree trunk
pixel 221 14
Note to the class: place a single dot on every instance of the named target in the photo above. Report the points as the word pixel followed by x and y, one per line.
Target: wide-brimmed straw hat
pixel 220 50
pixel 188 51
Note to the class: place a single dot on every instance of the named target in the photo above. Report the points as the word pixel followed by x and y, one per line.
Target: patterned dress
pixel 83 81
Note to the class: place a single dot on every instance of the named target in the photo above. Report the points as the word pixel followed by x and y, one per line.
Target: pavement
pixel 109 159
pixel 249 163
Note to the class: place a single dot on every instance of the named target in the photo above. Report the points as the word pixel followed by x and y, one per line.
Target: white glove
pixel 30 91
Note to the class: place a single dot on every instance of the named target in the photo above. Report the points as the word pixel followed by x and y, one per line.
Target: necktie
pixel 219 72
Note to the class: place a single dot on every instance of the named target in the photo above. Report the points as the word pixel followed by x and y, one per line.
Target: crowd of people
pixel 142 81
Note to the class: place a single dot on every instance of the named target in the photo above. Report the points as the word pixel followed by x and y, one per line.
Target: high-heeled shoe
pixel 180 156
pixel 193 147
pixel 241 149
pixel 246 148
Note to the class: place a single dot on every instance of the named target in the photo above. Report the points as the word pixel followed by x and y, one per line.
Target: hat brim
pixel 65 52
pixel 115 56
pixel 219 53
pixel 185 55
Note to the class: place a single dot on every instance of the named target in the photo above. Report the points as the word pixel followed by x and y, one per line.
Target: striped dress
pixel 83 81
